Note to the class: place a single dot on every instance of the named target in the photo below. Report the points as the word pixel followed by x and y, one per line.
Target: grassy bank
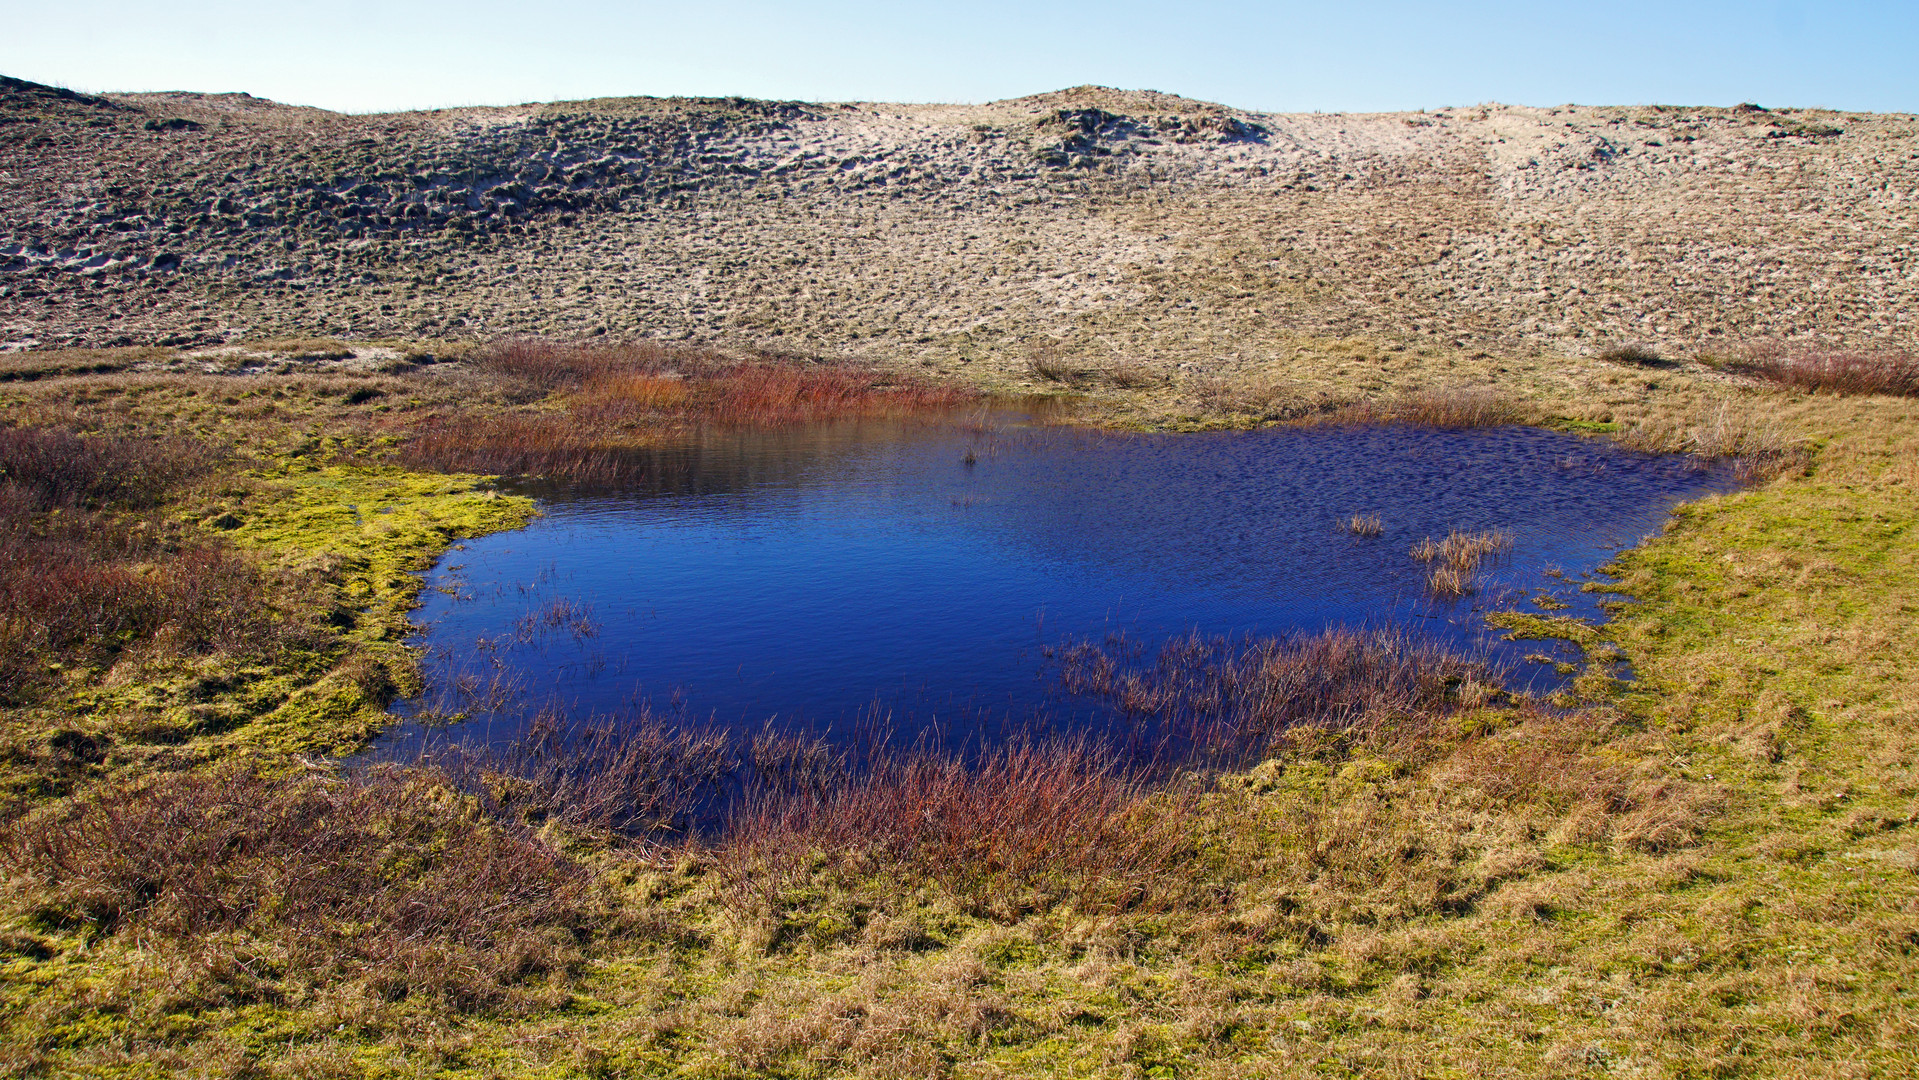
pixel 1707 870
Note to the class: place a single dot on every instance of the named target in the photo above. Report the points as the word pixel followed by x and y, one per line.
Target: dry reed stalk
pixel 1231 699
pixel 636 774
pixel 1457 558
pixel 1461 550
pixel 527 444
pixel 572 616
pixel 1449 580
pixel 645 392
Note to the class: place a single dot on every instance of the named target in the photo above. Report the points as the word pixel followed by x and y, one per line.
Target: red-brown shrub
pixel 62 469
pixel 391 878
pixel 619 398
pixel 78 582
pixel 1043 819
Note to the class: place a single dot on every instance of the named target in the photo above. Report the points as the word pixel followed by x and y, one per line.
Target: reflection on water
pixel 806 574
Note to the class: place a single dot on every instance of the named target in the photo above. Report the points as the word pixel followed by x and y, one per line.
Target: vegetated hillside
pixel 1107 223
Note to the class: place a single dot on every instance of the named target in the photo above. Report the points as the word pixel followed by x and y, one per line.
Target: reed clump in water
pixel 1362 525
pixel 1455 558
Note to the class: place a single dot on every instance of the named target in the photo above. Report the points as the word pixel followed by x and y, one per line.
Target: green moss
pixel 354 541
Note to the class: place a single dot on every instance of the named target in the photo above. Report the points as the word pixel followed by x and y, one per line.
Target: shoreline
pixel 1718 847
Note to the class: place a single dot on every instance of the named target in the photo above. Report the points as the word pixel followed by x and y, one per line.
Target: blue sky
pixel 360 56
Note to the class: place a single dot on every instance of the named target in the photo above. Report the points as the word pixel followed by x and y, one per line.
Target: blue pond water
pixel 804 575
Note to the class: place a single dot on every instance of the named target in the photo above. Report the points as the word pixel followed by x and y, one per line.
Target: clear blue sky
pixel 360 55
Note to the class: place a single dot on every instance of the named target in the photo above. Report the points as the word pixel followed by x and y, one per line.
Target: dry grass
pixel 1892 372
pixel 303 348
pixel 1446 408
pixel 1047 363
pixel 1757 440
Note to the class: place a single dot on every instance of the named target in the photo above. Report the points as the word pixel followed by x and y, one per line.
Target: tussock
pixel 1362 525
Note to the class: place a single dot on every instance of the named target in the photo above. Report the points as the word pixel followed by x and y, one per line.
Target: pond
pixel 810 576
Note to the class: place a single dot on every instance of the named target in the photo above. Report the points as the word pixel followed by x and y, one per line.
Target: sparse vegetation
pixel 1444 408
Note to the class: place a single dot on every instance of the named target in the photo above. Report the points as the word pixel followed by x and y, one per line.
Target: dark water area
pixel 812 576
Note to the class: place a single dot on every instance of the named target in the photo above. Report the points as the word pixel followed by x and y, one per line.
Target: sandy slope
pixel 1098 222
